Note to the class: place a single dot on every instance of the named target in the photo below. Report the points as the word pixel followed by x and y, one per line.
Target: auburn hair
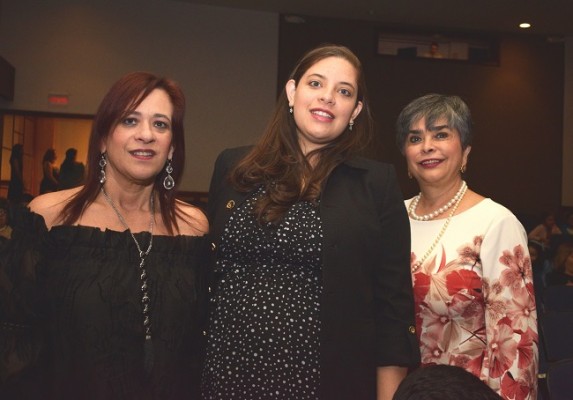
pixel 120 101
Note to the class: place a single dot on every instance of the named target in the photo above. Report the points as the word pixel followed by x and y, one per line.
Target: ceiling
pixel 552 18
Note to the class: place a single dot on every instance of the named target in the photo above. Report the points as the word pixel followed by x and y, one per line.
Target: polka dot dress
pixel 264 332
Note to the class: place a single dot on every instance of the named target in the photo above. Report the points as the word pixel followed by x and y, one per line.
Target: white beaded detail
pixel 459 196
pixel 441 210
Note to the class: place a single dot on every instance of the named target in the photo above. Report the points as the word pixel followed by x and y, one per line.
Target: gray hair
pixel 433 107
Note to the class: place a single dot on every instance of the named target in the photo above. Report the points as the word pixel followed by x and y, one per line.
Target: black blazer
pixel 367 306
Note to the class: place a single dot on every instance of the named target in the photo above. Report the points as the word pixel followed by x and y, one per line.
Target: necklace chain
pixel 142 256
pixel 441 210
pixel 427 254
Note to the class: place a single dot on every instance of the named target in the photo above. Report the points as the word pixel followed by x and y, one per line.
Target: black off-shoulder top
pixel 71 324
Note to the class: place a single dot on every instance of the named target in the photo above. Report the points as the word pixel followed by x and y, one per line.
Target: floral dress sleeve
pixel 511 360
pixel 21 305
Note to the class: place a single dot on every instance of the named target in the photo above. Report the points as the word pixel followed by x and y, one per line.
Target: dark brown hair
pixel 122 99
pixel 278 163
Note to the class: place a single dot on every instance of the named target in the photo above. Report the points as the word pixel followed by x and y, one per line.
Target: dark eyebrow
pixel 438 128
pixel 156 115
pixel 340 83
pixel 430 128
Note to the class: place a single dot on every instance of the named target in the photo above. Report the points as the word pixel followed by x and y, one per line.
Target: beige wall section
pixel 225 60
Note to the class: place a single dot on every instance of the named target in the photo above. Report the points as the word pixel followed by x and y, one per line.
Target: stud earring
pixel 168 181
pixel 463 169
pixel 410 174
pixel 290 109
pixel 350 125
pixel 102 164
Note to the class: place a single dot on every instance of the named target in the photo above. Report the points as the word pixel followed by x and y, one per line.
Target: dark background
pixel 517 106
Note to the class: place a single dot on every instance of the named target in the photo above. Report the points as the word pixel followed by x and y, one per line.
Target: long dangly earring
pixel 102 164
pixel 168 181
pixel 351 125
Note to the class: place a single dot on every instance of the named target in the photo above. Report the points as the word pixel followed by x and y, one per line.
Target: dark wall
pixel 517 106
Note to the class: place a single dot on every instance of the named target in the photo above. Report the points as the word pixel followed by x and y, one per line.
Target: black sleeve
pixel 22 310
pixel 397 341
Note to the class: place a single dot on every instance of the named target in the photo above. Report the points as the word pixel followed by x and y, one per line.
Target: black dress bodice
pixel 76 306
pixel 265 322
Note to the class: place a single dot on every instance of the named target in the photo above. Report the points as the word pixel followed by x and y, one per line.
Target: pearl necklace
pixel 441 210
pixel 144 287
pixel 427 254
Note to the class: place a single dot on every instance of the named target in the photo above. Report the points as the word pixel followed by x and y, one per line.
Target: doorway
pixel 37 133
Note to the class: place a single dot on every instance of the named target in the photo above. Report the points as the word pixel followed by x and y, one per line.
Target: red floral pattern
pixel 475 306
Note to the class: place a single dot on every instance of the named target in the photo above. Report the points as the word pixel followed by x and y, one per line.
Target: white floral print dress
pixel 475 304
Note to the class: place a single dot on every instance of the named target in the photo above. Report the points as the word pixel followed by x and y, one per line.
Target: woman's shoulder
pixel 492 207
pixel 368 163
pixel 493 214
pixel 378 172
pixel 192 221
pixel 234 153
pixel 50 205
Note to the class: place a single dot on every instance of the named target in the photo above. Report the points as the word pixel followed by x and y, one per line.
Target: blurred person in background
pixel 16 185
pixel 49 181
pixel 71 171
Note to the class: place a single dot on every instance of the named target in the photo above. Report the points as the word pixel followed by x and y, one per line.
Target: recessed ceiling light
pixel 525 25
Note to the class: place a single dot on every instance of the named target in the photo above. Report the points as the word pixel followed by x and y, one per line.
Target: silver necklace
pixel 441 210
pixel 142 256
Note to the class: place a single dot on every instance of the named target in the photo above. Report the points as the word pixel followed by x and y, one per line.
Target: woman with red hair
pixel 105 285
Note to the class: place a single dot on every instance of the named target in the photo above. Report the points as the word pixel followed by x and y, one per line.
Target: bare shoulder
pixel 50 205
pixel 192 220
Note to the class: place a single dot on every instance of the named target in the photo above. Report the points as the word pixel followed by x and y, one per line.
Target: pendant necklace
pixel 148 347
pixel 459 196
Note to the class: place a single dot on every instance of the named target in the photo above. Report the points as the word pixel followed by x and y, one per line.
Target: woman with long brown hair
pixel 313 295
